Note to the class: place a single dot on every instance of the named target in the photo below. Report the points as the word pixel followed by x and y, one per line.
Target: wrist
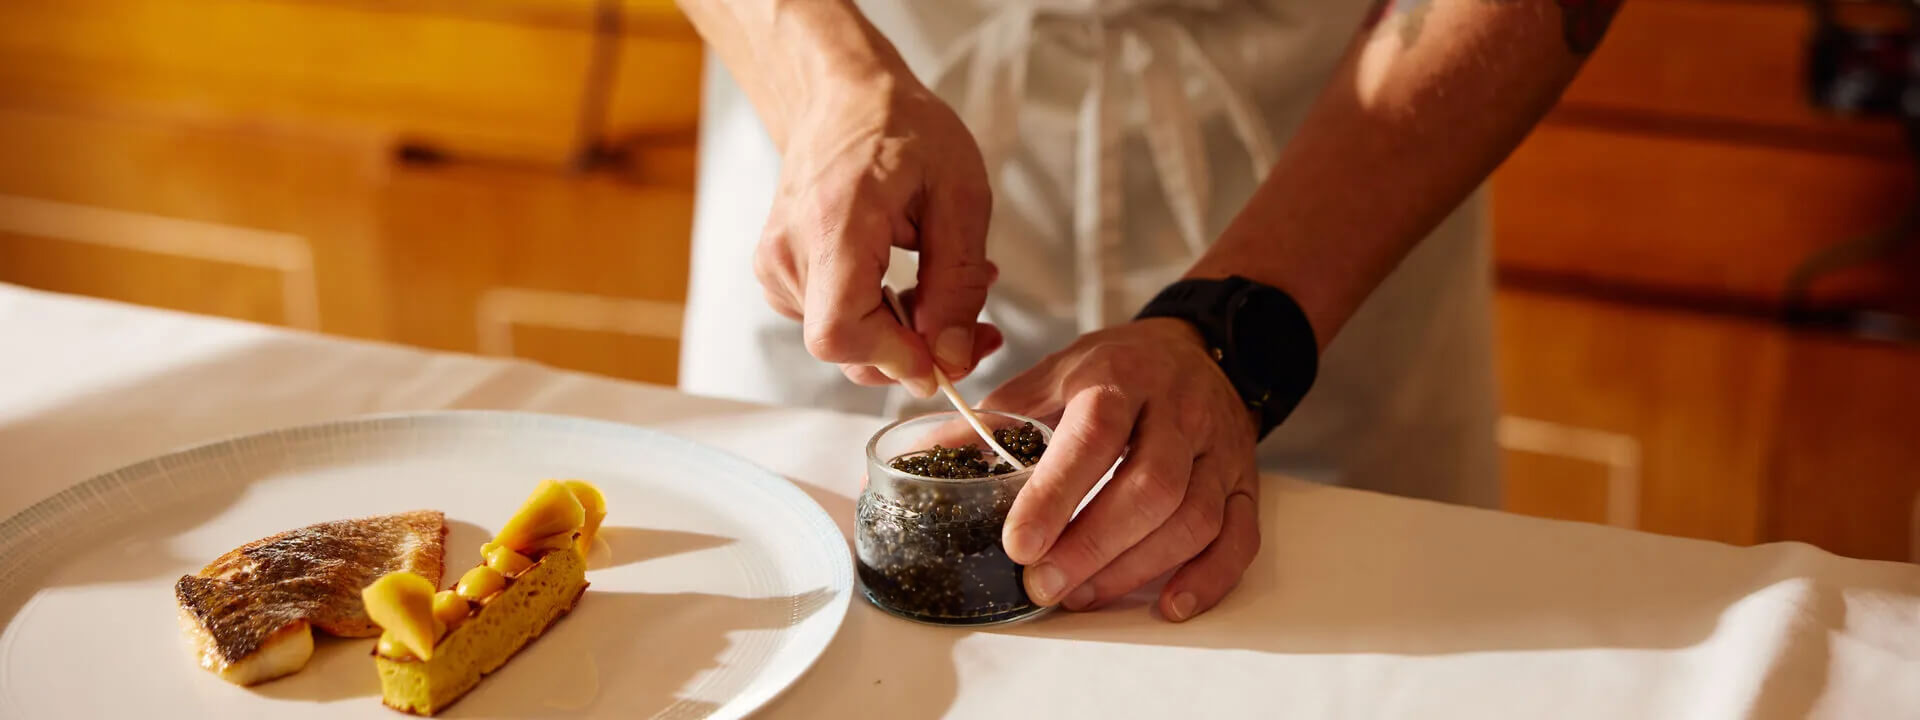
pixel 833 56
pixel 1183 334
pixel 1257 334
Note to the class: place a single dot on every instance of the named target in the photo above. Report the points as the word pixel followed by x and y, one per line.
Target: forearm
pixel 1423 107
pixel 788 53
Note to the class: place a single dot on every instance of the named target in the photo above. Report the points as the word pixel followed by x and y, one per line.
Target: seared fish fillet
pixel 247 613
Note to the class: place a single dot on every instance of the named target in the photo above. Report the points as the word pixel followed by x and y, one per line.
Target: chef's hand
pixel 872 163
pixel 1186 496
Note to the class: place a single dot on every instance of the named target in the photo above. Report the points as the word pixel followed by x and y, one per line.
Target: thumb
pixel 954 271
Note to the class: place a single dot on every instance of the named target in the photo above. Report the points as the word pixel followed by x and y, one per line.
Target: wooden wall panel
pixel 1695 392
pixel 656 93
pixel 484 83
pixel 169 281
pixel 1554 486
pixel 568 253
pixel 1696 218
pixel 1846 457
pixel 634 357
pixel 217 199
pixel 1709 66
pixel 284 118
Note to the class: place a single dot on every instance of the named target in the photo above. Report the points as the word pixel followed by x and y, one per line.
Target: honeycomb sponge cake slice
pixel 491 635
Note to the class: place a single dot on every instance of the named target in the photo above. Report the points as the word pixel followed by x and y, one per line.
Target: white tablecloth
pixel 1360 605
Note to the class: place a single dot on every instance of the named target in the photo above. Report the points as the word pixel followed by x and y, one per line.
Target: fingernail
pixel 1023 541
pixel 1080 597
pixel 892 360
pixel 920 387
pixel 1183 604
pixel 954 347
pixel 1044 583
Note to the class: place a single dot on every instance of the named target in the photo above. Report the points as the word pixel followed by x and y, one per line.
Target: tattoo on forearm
pixel 1584 22
pixel 1412 19
pixel 1406 16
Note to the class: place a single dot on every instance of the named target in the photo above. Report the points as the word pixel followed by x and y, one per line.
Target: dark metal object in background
pixel 1864 71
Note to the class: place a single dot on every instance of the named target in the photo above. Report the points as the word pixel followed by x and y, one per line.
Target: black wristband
pixel 1257 333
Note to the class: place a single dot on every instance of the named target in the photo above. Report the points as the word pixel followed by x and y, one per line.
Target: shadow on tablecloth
pixel 1344 572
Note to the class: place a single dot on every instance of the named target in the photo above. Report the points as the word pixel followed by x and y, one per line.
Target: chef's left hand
pixel 1186 496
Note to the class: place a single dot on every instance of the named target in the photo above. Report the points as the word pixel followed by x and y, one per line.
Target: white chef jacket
pixel 1120 137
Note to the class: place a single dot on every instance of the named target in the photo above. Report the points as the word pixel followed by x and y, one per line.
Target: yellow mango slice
pixel 559 541
pixel 391 648
pixel 402 604
pixel 449 608
pixel 507 562
pixel 551 510
pixel 595 506
pixel 480 583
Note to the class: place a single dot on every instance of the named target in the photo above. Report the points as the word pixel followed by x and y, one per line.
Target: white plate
pixel 717 585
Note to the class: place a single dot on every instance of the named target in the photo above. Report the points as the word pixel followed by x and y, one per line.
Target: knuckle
pixel 826 198
pixel 859 374
pixel 1195 527
pixel 763 267
pixel 846 211
pixel 973 276
pixel 780 303
pixel 1037 497
pixel 1195 417
pixel 830 338
pixel 1157 494
pixel 1114 362
pixel 1106 410
pixel 822 221
pixel 1111 362
pixel 826 254
pixel 1108 396
pixel 772 257
pixel 1088 552
pixel 1248 538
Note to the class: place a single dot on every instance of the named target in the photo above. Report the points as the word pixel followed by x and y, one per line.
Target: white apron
pixel 1120 137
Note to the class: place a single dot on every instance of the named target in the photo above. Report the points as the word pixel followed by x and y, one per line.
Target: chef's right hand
pixel 872 163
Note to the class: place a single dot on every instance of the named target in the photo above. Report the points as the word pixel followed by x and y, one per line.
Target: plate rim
pixel 15 537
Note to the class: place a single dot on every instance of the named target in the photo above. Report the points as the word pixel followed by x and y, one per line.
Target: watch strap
pixel 1271 384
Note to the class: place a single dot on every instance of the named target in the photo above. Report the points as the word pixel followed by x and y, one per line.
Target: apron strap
pixel 1153 48
pixel 1097 189
pixel 1172 133
pixel 998 74
pixel 1245 117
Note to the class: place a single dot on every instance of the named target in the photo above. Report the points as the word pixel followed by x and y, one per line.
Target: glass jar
pixel 928 549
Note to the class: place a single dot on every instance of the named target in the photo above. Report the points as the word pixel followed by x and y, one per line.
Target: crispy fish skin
pixel 237 604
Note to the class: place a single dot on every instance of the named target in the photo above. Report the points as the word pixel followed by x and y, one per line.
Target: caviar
pixel 930 550
pixel 970 461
